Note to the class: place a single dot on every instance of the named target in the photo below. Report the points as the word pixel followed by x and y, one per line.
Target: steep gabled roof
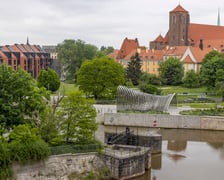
pixel 179 8
pixel 188 59
pixel 114 54
pixel 127 46
pixel 159 39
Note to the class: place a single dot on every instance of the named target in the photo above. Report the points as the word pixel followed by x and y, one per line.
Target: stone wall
pixel 164 121
pixel 58 167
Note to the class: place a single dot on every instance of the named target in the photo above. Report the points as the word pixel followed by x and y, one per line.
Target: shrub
pixel 25 152
pixel 148 88
pixel 26 145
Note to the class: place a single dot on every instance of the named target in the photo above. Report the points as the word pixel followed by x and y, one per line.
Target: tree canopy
pixel 77 118
pixel 133 71
pixel 48 79
pixel 211 64
pixel 171 71
pixel 72 53
pixel 100 77
pixel 192 79
pixel 21 100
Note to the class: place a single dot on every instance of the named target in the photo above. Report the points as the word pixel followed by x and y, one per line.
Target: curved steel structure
pixel 129 99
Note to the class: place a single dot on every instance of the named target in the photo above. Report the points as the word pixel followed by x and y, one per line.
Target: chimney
pixel 201 44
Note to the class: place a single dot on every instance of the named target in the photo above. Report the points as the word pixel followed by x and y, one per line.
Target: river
pixel 186 154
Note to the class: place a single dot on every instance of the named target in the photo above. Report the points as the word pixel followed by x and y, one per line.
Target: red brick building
pixel 186 41
pixel 183 33
pixel 31 58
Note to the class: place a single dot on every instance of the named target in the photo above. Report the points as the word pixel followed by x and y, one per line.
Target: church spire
pixel 218 20
pixel 27 41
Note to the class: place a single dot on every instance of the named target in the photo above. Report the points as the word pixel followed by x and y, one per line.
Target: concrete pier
pixel 126 162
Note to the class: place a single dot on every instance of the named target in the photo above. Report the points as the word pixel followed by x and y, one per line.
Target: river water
pixel 186 154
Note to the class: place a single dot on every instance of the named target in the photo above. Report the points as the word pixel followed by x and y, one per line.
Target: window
pixel 174 19
pixel 10 62
pixel 1 60
pixel 183 19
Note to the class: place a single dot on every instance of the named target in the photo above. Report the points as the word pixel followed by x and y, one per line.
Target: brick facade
pixel 31 58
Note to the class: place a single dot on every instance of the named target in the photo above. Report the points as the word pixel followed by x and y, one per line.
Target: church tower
pixel 179 21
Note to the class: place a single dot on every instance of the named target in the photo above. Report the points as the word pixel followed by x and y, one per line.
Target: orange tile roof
pixel 203 31
pixel 199 54
pixel 159 39
pixel 175 51
pixel 179 8
pixel 127 46
pixel 212 44
pixel 114 54
pixel 188 59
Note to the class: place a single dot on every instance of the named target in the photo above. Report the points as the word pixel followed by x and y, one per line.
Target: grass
pixel 182 90
pixel 66 88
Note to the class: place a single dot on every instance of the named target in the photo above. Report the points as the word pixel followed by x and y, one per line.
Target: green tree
pixel 211 55
pixel 49 123
pixel 72 53
pixel 171 71
pixel 212 62
pixel 100 77
pixel 107 50
pixel 133 71
pixel 77 115
pixel 48 79
pixel 150 79
pixel 192 79
pixel 219 84
pixel 21 100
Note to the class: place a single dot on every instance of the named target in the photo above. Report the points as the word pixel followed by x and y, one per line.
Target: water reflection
pixel 186 154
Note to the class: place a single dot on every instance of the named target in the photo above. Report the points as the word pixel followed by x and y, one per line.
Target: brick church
pixel 187 41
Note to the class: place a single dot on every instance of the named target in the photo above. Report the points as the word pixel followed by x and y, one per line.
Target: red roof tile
pixel 114 54
pixel 188 59
pixel 159 39
pixel 203 31
pixel 179 8
pixel 127 46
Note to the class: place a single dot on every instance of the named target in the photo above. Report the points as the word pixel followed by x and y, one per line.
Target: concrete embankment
pixel 164 121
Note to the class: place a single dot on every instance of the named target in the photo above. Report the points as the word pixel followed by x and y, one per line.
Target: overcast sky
pixel 98 22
